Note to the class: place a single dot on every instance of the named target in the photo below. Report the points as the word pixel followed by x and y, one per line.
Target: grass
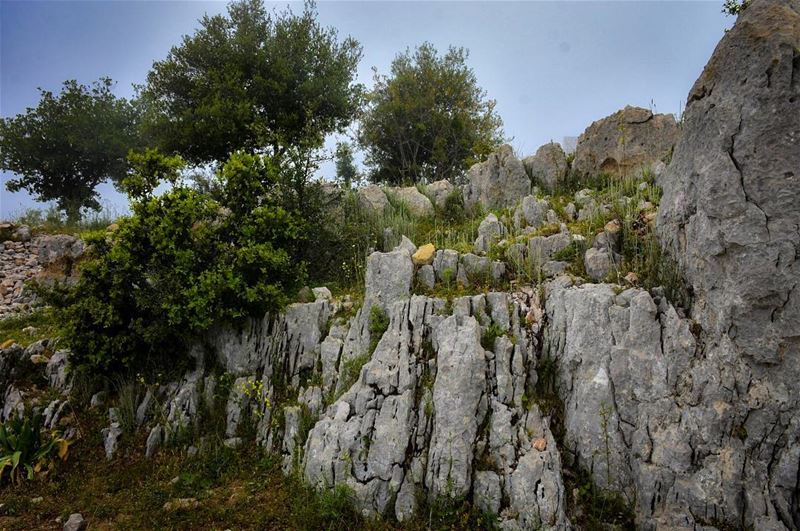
pixel 51 221
pixel 43 320
pixel 234 489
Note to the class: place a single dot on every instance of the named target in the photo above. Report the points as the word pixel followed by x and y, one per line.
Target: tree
pixel 182 262
pixel 346 172
pixel 68 144
pixel 429 119
pixel 254 81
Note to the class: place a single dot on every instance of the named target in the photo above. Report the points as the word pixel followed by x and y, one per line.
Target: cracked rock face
pixel 435 413
pixel 499 182
pixel 625 141
pixel 730 215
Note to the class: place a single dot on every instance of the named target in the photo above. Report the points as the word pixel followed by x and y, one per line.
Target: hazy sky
pixel 553 67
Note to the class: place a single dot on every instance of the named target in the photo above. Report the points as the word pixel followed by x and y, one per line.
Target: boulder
pixel 418 204
pixel 627 140
pixel 372 199
pixel 599 263
pixel 532 212
pixel 424 255
pixel 426 277
pixel 388 278
pixel 75 522
pixel 111 437
pixel 489 231
pixel 439 191
pixel 548 167
pixel 498 182
pixel 406 245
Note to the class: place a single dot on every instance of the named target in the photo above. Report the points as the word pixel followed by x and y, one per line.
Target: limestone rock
pixel 489 231
pixel 75 522
pixel 457 393
pixel 418 204
pixel 406 245
pixel 499 182
pixel 111 437
pixel 531 213
pixel 426 277
pixel 729 215
pixel 548 167
pixel 599 263
pixel 440 191
pixel 373 199
pixel 628 139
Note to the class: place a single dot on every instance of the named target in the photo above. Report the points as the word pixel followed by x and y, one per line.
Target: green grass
pixel 42 319
pixel 51 221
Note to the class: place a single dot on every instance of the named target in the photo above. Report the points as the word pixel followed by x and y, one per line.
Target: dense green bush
pixel 181 262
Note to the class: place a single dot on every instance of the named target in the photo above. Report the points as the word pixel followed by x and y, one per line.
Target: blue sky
pixel 553 67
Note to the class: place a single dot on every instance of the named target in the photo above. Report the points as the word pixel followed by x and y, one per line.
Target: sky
pixel 553 67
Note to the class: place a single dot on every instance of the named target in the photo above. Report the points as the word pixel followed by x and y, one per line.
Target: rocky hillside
pixel 539 371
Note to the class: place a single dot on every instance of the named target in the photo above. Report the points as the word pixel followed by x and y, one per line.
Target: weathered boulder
pixel 498 182
pixel 628 139
pixel 406 245
pixel 416 202
pixel 532 212
pixel 548 167
pixel 490 230
pixel 372 199
pixel 424 255
pixel 440 191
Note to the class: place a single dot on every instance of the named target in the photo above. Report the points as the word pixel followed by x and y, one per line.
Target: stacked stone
pixel 19 263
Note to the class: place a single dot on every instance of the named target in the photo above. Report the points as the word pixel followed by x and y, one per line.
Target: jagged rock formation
pixel 548 166
pixel 730 215
pixel 498 182
pixel 501 396
pixel 628 139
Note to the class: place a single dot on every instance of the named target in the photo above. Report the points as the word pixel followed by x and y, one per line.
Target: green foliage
pixel 446 513
pixel 182 262
pixel 378 325
pixel 42 320
pixel 149 168
pixel 351 371
pixel 734 7
pixel 27 450
pixel 490 333
pixel 53 221
pixel 251 80
pixel 429 119
pixel 71 142
pixel 346 172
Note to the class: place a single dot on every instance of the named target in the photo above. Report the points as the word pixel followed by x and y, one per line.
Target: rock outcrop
pixel 548 166
pixel 730 216
pixel 625 141
pixel 498 182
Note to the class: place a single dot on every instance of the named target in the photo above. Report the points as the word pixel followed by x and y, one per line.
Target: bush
pixel 182 262
pixel 25 450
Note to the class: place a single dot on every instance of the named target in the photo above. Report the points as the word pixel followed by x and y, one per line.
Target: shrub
pixel 180 263
pixel 26 450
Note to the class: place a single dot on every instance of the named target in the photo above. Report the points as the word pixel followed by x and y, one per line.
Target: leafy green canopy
pixel 71 142
pixel 429 119
pixel 251 80
pixel 180 263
